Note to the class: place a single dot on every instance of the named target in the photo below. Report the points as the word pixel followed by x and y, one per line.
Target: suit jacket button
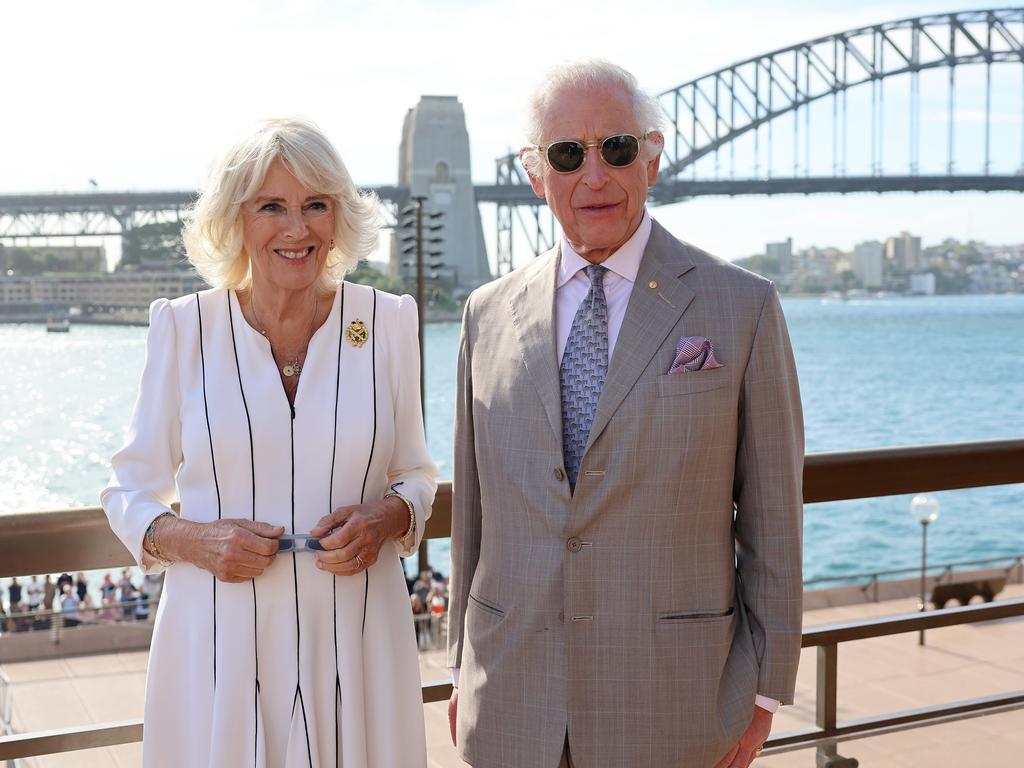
pixel 559 474
pixel 574 544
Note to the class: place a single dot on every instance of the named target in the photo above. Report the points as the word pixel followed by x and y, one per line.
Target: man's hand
pixel 743 754
pixel 453 711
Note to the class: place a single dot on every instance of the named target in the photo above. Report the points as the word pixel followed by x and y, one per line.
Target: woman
pixel 283 401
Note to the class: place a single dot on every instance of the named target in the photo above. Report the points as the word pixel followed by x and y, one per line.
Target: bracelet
pixel 411 530
pixel 149 541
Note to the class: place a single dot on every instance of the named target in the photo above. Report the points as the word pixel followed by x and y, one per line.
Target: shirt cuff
pixel 771 705
pixel 455 677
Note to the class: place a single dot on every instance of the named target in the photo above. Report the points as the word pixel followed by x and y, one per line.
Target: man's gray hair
pixel 580 75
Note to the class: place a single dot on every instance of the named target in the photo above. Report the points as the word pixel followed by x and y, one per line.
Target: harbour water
pixel 873 373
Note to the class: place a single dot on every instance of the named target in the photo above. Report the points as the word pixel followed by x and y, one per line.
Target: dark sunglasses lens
pixel 620 151
pixel 566 156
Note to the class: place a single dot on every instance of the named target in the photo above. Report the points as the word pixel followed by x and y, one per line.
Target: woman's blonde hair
pixel 213 226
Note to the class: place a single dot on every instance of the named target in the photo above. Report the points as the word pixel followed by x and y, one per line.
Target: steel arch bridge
pixel 714 112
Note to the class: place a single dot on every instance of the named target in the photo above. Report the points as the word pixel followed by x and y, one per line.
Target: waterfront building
pixel 120 290
pixel 923 284
pixel 783 252
pixel 904 251
pixel 867 263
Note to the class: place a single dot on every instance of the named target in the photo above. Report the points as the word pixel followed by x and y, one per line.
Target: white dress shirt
pixel 573 285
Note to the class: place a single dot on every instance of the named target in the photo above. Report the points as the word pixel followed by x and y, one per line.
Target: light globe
pixel 925 509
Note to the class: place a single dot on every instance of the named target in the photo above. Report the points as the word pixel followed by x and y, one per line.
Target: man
pixel 626 521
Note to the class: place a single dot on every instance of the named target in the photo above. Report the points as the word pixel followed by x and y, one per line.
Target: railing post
pixel 827 756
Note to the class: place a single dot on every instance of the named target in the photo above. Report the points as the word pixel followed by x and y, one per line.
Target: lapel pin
pixel 356 333
pixel 653 284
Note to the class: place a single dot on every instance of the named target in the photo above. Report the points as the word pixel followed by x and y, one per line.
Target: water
pixel 873 373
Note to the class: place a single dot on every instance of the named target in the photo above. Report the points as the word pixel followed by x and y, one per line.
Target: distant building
pixel 433 162
pixel 990 278
pixel 923 284
pixel 783 252
pixel 904 251
pixel 113 291
pixel 39 259
pixel 867 263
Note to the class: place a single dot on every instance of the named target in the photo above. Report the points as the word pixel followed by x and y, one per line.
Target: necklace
pixel 292 367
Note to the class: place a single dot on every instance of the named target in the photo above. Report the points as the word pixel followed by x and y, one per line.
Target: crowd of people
pixel 32 602
pixel 429 596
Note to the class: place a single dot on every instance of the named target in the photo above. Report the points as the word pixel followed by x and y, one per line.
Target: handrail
pixel 79 539
pixel 1016 562
pixel 6 704
pixel 827 639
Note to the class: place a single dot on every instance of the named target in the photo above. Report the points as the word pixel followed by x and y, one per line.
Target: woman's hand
pixel 232 550
pixel 352 536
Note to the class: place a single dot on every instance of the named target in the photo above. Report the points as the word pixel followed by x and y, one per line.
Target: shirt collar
pixel 625 262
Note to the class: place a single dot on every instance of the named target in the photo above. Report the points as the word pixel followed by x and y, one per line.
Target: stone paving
pixel 875 676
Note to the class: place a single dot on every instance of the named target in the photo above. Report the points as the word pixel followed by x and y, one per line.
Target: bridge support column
pixel 434 163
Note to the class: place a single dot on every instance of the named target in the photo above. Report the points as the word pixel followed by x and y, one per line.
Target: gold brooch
pixel 356 333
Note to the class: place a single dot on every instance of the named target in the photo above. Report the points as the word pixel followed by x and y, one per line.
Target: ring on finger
pixel 359 562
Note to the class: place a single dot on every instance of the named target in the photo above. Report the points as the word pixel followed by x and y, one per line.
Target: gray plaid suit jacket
pixel 642 614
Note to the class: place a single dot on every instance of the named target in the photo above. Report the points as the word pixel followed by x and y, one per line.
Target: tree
pixel 153 246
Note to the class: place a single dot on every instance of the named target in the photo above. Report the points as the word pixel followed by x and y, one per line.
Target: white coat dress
pixel 296 668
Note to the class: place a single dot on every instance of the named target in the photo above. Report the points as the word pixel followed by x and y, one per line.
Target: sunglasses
pixel 298 542
pixel 567 156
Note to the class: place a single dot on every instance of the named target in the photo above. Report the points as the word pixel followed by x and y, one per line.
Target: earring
pixel 332 245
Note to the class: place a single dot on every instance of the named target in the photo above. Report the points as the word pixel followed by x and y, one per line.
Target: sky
pixel 141 96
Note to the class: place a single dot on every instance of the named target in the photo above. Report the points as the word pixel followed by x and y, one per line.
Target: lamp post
pixel 924 509
pixel 414 242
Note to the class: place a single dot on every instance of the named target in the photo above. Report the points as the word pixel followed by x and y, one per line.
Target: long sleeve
pixel 142 483
pixel 411 471
pixel 769 502
pixel 466 507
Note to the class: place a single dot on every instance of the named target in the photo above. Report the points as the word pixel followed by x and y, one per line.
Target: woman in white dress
pixel 282 402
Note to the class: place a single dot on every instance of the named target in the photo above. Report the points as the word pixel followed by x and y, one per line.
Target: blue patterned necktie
pixel 583 371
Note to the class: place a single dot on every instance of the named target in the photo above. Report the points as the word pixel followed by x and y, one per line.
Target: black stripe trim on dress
pixel 330 508
pixel 295 581
pixel 252 467
pixel 373 439
pixel 213 463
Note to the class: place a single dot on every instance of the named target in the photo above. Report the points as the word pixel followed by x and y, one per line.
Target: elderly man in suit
pixel 626 523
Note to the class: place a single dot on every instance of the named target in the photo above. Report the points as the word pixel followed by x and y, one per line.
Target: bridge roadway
pixel 666 192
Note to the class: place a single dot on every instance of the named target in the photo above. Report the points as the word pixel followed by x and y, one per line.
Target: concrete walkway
pixel 875 676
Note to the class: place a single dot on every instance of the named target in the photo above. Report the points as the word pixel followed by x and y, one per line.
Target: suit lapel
pixel 533 315
pixel 650 316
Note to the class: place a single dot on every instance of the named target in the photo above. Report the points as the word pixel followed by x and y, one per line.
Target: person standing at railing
pixel 283 401
pixel 14 594
pixel 33 593
pixel 69 607
pixel 626 518
pixel 49 592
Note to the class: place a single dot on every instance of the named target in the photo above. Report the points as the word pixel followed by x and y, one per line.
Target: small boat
pixel 62 325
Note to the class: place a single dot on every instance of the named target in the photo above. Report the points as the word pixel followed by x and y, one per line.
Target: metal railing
pixel 79 539
pixel 1013 572
pixel 55 622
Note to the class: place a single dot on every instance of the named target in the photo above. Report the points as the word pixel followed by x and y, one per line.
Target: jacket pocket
pixel 679 617
pixel 693 382
pixel 486 606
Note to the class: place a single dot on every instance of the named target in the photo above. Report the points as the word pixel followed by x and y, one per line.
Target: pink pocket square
pixel 694 353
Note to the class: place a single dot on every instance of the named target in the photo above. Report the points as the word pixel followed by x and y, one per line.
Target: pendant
pixel 291 369
pixel 356 333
